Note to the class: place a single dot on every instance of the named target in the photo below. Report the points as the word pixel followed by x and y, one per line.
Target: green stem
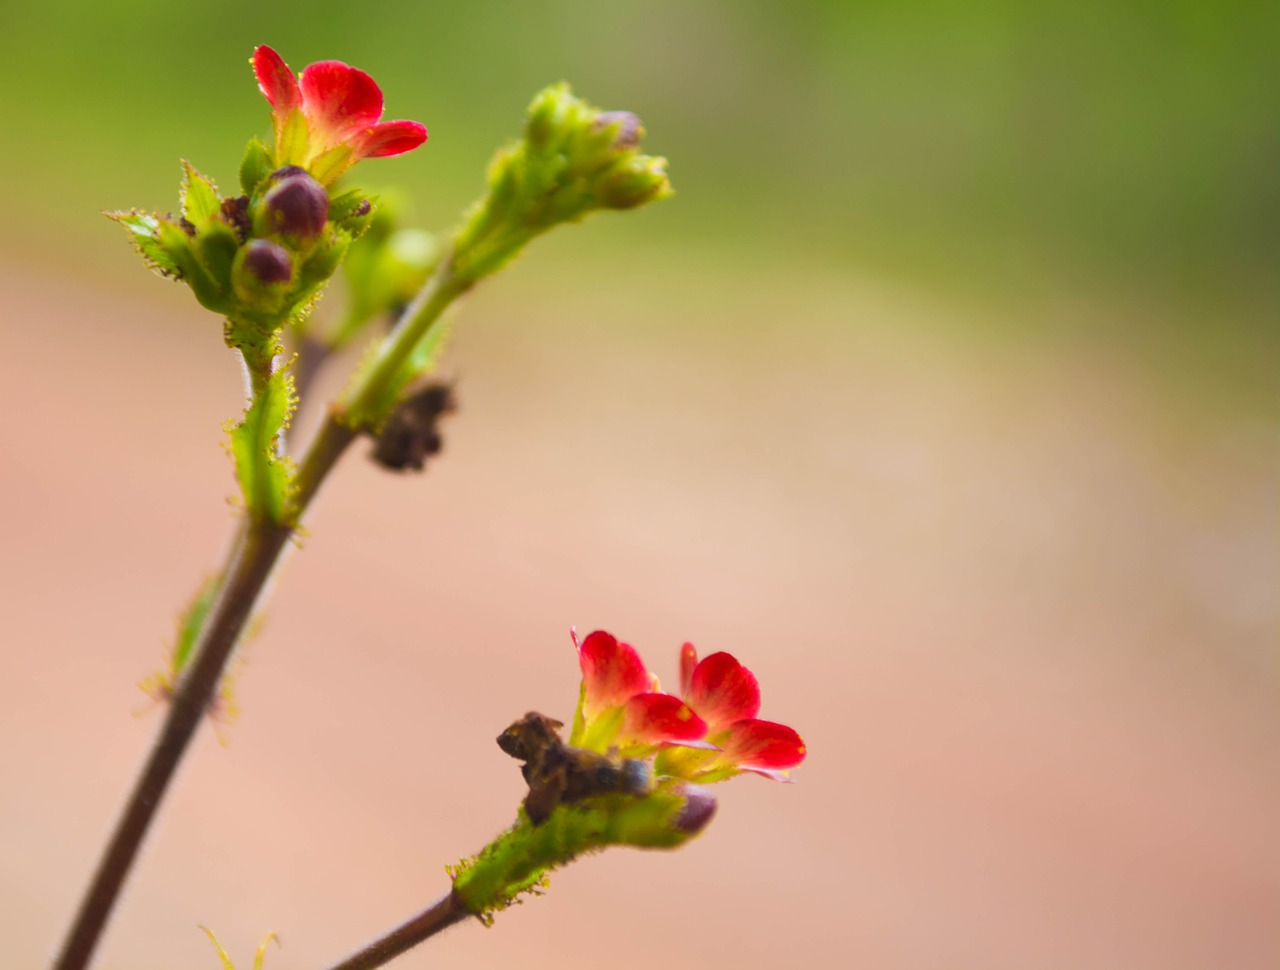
pixel 445 913
pixel 245 576
pixel 368 396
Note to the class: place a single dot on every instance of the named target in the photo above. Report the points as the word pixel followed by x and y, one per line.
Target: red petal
pixel 655 718
pixel 688 661
pixel 275 80
pixel 390 138
pixel 754 744
pixel 723 691
pixel 339 99
pixel 612 672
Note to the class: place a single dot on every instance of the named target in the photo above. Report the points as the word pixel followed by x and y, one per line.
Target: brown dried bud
pixel 235 213
pixel 410 435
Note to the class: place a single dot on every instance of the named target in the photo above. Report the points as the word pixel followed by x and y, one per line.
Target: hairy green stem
pixel 368 396
pixel 445 913
pixel 252 561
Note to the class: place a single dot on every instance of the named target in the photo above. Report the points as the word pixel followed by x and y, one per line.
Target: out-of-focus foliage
pixel 986 145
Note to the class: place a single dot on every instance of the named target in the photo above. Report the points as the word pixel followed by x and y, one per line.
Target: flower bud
pixel 699 807
pixel 629 128
pixel 635 182
pixel 267 262
pixel 297 205
pixel 546 117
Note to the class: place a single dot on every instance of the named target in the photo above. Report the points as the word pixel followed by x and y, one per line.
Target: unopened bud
pixel 268 262
pixel 629 127
pixel 297 205
pixel 639 180
pixel 699 807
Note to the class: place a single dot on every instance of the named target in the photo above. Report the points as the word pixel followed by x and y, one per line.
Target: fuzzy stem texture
pixel 251 563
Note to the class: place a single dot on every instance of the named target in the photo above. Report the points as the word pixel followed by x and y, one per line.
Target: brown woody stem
pixel 425 925
pixel 252 561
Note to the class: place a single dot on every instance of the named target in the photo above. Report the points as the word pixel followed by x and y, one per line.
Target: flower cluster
pixel 263 256
pixel 708 734
pixel 633 772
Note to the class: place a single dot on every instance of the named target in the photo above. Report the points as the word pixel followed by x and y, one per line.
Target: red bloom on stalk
pixel 328 117
pixel 727 696
pixel 620 705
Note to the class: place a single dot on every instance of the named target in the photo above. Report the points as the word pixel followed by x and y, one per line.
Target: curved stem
pixel 250 566
pixel 379 380
pixel 445 913
pixel 252 562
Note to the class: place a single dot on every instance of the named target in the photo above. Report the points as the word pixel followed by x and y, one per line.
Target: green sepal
pixel 521 858
pixel 190 624
pixel 265 476
pixel 328 166
pixel 635 181
pixel 353 211
pixel 199 196
pixel 544 123
pixel 212 293
pixel 144 232
pixel 255 166
pixel 216 245
pixel 293 140
pixel 323 262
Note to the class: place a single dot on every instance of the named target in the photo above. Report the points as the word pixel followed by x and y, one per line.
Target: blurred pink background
pixel 1020 597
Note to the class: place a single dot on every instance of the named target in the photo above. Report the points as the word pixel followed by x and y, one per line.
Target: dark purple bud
pixel 297 206
pixel 268 262
pixel 286 171
pixel 699 807
pixel 628 131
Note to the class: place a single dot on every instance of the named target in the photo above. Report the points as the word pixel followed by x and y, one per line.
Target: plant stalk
pixel 443 914
pixel 252 561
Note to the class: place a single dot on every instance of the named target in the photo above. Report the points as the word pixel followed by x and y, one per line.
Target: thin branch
pixel 245 577
pixel 425 925
pixel 252 562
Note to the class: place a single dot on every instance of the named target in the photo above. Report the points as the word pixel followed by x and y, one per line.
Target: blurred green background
pixel 997 153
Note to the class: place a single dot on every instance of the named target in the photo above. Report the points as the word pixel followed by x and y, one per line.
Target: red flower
pixel 620 705
pixel 727 696
pixel 327 118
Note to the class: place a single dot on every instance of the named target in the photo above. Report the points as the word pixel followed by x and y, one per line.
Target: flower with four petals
pixel 328 117
pixel 709 735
